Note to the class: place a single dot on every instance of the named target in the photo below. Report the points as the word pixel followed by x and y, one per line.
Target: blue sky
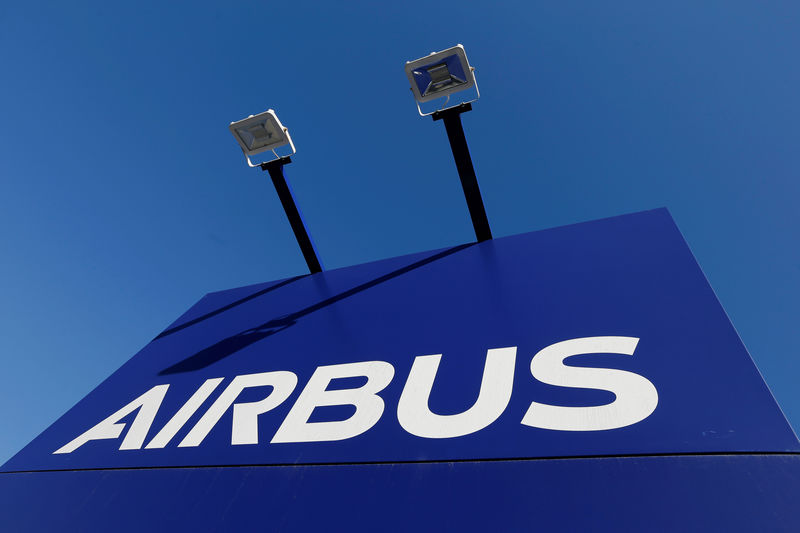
pixel 124 198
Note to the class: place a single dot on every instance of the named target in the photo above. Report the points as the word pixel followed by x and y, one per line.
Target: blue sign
pixel 596 339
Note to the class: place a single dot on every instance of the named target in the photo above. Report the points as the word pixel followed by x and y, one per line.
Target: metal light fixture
pixel 439 75
pixel 260 133
pixel 264 132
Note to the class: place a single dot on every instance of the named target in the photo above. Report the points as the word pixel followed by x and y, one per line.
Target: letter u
pixel 416 417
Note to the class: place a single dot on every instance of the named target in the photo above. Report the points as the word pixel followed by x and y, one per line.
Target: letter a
pixel 110 428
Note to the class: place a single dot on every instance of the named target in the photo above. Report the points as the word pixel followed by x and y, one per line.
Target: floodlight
pixel 441 74
pixel 437 76
pixel 260 133
pixel 263 132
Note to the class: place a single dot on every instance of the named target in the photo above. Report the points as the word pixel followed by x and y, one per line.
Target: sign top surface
pixel 628 277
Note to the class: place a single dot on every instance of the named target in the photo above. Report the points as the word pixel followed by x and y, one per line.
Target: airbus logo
pixel 635 399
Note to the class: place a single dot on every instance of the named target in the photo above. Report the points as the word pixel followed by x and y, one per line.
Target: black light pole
pixel 458 144
pixel 275 169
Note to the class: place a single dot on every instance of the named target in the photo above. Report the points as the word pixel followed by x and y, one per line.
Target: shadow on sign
pixel 233 344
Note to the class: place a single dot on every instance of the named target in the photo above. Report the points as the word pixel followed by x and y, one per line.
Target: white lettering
pixel 175 423
pixel 245 415
pixel 636 397
pixel 369 406
pixel 415 416
pixel 110 428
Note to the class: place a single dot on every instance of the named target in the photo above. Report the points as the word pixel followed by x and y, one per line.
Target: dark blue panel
pixel 713 493
pixel 625 276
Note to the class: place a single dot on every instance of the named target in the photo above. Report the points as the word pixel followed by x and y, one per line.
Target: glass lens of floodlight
pixel 261 134
pixel 440 75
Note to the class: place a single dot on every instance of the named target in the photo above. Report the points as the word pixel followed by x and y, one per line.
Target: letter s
pixel 636 397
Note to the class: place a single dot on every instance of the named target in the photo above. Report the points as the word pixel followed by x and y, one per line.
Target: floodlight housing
pixel 260 133
pixel 439 75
